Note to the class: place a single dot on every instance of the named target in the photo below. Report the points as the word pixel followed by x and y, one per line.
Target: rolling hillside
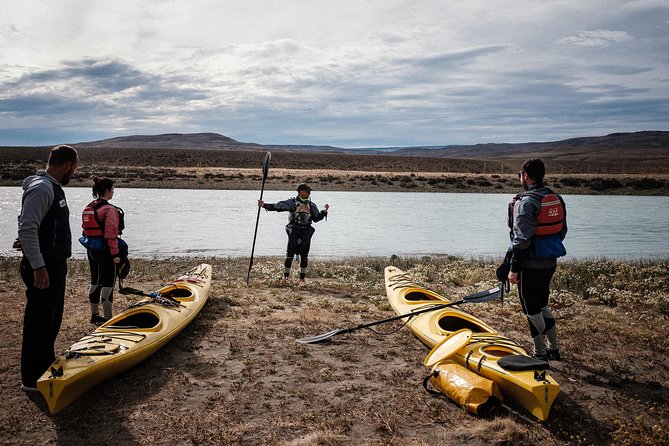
pixel 646 146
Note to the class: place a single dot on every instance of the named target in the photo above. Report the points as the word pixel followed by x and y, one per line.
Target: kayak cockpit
pixel 139 320
pixel 421 296
pixel 452 321
pixel 181 294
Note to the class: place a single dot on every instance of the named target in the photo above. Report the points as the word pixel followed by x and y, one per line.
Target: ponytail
pixel 101 185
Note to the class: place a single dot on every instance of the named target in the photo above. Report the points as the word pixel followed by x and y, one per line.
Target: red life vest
pixel 90 222
pixel 551 215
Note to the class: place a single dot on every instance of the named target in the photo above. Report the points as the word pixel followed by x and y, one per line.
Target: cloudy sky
pixel 348 73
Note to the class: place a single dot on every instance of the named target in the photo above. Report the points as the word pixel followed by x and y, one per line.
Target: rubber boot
pixel 107 304
pixel 537 328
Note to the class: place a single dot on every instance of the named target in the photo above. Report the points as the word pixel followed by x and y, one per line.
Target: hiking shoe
pixel 29 388
pixel 301 282
pixel 554 355
pixel 98 320
pixel 544 357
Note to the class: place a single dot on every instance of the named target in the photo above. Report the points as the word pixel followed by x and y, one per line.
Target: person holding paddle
pixel 102 223
pixel 299 229
pixel 539 224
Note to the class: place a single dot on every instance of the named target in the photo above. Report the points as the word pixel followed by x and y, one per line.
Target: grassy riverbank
pixel 241 169
pixel 236 376
pixel 354 180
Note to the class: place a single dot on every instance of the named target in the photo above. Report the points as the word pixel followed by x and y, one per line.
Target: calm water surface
pixel 161 223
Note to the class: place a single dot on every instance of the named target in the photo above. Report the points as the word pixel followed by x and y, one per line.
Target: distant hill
pixel 639 146
pixel 211 141
pixel 644 146
pixel 639 153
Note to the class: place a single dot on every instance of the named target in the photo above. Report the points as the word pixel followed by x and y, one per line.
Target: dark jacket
pixel 295 218
pixel 44 222
pixel 525 212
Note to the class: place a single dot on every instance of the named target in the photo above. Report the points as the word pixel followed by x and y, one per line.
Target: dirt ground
pixel 236 375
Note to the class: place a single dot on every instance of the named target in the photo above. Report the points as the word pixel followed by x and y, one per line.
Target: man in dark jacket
pixel 45 240
pixel 539 226
pixel 302 213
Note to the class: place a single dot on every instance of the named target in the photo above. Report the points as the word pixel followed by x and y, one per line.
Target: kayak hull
pixel 125 340
pixel 535 390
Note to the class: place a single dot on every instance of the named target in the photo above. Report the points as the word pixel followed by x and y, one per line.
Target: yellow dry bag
pixel 473 392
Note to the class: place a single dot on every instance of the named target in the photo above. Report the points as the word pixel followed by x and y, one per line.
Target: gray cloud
pixel 440 75
pixel 596 38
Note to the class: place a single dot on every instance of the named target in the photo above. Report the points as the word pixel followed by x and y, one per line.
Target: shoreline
pixel 225 178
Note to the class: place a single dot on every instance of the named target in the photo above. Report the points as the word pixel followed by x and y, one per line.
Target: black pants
pixel 103 274
pixel 299 241
pixel 534 288
pixel 42 319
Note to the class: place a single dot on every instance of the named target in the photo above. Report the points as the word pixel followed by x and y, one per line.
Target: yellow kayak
pixel 126 339
pixel 521 378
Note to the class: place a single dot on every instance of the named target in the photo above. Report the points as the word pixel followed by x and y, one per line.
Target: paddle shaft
pixel 266 161
pixel 402 316
pixel 128 290
pixel 481 296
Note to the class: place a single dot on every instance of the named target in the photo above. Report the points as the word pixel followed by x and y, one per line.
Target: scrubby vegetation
pixel 236 375
pixel 240 169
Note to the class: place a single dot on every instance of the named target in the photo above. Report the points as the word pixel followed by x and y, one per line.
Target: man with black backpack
pixel 538 225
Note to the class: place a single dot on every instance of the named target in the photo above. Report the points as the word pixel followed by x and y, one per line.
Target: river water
pixel 175 222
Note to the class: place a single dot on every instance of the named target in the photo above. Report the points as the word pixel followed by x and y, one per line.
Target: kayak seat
pixel 521 362
pixel 179 294
pixel 455 323
pixel 140 320
pixel 416 296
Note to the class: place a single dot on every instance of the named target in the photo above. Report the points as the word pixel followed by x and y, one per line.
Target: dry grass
pixel 236 376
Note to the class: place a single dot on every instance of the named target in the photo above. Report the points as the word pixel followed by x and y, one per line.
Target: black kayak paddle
pixel 478 297
pixel 265 170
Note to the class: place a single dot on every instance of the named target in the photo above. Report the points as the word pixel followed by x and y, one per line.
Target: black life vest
pixel 55 238
pixel 302 213
pixel 90 222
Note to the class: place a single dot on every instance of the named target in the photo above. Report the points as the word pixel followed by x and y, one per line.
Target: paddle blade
pixel 265 164
pixel 484 296
pixel 446 348
pixel 321 337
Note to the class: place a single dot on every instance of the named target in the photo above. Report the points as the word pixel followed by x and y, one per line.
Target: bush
pixel 570 181
pixel 600 184
pixel 646 183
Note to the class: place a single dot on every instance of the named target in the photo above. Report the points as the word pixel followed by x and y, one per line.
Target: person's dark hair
pixel 101 185
pixel 303 187
pixel 62 154
pixel 535 169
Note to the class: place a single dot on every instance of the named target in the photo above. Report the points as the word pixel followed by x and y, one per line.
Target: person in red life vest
pixel 538 226
pixel 102 223
pixel 302 213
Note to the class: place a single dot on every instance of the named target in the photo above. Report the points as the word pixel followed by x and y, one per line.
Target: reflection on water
pixel 161 223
